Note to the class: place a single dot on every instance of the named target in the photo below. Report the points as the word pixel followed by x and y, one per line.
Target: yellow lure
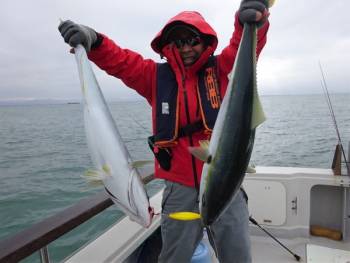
pixel 184 216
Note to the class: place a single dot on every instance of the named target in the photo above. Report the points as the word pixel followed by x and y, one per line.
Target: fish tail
pixel 271 3
pixel 212 240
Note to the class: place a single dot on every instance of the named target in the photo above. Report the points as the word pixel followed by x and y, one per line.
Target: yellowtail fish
pixel 227 154
pixel 112 161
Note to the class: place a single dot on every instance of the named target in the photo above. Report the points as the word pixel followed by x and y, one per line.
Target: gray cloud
pixel 35 62
pixel 303 33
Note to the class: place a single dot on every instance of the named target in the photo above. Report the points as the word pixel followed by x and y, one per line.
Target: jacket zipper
pixel 188 119
pixel 193 160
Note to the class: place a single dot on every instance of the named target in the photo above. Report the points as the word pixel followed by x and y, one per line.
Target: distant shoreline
pixel 73 102
pixel 55 102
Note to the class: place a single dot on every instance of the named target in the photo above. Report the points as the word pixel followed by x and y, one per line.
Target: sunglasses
pixel 191 41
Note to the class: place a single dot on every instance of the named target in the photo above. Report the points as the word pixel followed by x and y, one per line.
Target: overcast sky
pixel 36 64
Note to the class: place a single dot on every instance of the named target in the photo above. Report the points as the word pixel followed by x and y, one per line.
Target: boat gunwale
pixel 32 239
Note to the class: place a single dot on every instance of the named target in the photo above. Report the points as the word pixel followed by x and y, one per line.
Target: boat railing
pixel 38 236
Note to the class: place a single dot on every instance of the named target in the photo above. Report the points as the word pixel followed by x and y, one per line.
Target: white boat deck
pixel 265 249
pixel 313 249
pixel 309 197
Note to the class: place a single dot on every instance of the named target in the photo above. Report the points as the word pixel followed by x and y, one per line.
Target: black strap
pixel 189 129
pixel 163 155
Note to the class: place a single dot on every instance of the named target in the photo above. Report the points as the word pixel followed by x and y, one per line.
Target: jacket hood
pixel 189 18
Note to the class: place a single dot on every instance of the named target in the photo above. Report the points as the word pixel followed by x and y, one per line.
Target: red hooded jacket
pixel 140 74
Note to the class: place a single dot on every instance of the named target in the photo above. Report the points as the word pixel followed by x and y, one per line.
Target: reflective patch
pixel 165 108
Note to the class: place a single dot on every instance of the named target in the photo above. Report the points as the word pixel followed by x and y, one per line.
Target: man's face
pixel 190 46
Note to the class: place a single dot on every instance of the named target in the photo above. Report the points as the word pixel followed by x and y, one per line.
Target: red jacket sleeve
pixel 228 54
pixel 135 71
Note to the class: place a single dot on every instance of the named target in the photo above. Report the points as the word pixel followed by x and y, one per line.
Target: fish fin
pixel 106 169
pixel 258 116
pixel 184 216
pixel 141 163
pixel 95 177
pixel 204 144
pixel 200 153
pixel 271 3
pixel 251 169
pixel 95 183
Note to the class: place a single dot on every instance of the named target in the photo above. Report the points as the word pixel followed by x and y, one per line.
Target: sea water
pixel 43 155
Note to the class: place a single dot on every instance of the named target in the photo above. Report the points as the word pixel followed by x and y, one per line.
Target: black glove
pixel 253 11
pixel 75 34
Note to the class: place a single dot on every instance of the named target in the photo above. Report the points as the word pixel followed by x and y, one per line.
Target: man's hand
pixel 75 34
pixel 253 11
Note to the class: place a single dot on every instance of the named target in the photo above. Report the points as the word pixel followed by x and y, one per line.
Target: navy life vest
pixel 167 128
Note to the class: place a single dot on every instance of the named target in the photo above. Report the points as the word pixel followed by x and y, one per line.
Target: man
pixel 185 94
